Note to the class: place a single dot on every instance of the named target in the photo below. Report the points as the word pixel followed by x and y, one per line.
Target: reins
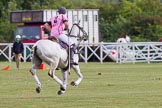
pixel 80 29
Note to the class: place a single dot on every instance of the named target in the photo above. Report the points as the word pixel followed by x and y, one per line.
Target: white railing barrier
pixel 127 52
pixel 5 50
pixel 140 52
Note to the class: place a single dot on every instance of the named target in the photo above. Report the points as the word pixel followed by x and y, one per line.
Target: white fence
pixel 128 52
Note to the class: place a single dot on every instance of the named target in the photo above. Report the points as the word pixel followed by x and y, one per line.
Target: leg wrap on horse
pixel 79 74
pixel 58 80
pixel 38 84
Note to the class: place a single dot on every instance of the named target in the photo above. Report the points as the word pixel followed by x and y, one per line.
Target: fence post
pixel 148 53
pixel 10 52
pixel 86 53
pixel 101 52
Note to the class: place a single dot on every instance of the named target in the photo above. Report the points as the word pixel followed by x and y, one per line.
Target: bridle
pixel 79 38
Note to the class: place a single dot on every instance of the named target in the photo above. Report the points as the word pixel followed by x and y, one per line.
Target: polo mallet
pixel 69 48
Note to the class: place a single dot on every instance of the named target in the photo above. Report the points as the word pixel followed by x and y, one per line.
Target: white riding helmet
pixel 18 37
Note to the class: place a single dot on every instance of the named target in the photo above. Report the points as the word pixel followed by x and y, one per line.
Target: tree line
pixel 141 19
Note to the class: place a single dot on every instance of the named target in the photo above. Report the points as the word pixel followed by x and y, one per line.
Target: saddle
pixel 52 38
pixel 63 45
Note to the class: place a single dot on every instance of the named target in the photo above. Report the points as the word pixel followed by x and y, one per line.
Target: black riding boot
pixel 71 56
pixel 72 49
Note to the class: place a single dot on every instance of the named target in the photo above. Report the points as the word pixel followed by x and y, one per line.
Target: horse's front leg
pixel 64 86
pixel 38 84
pixel 80 76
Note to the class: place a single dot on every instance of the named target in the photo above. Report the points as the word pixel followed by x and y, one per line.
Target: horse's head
pixel 77 34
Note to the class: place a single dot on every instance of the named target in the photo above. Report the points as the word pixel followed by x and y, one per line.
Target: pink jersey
pixel 57 24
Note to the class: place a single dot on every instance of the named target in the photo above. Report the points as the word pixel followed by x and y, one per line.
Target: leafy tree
pixel 139 18
pixel 118 19
pixel 7 28
pixel 26 5
pixel 150 7
pixel 147 25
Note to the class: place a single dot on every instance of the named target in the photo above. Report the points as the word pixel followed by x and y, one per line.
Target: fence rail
pixel 126 52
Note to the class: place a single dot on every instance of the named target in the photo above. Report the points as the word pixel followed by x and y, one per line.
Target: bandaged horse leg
pixel 64 86
pixel 72 49
pixel 58 81
pixel 35 65
pixel 53 67
pixel 64 76
pixel 35 77
pixel 80 76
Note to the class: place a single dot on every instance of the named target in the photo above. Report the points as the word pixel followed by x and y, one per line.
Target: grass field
pixel 119 86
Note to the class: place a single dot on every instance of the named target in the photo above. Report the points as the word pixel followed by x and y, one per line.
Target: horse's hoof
pixel 73 83
pixel 38 89
pixel 60 92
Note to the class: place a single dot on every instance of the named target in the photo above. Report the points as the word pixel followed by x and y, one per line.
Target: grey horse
pixel 57 57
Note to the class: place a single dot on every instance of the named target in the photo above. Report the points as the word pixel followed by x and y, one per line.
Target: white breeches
pixel 64 38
